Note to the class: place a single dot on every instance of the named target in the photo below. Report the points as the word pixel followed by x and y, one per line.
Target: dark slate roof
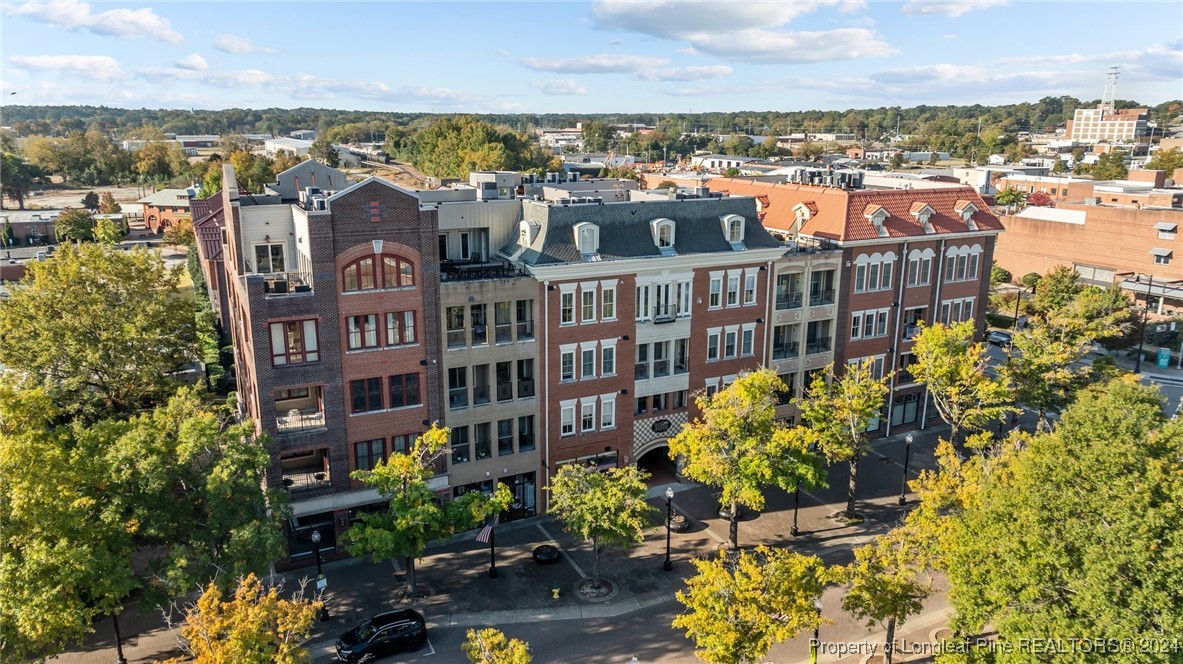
pixel 625 230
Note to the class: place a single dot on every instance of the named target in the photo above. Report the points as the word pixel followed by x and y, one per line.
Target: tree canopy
pixel 741 603
pixel 1110 166
pixel 490 646
pixel 1166 160
pixel 739 446
pixel 101 330
pixel 606 508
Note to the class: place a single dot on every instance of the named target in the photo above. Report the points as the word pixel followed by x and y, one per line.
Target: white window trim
pixel 606 286
pixel 715 332
pixel 566 407
pixel 587 346
pixel 584 403
pixel 607 411
pixel 716 278
pixel 565 349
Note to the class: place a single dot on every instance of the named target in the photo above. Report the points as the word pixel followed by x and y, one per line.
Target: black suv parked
pixel 381 635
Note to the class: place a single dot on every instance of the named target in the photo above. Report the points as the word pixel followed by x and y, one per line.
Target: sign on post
pixel 1164 358
pixel 321 583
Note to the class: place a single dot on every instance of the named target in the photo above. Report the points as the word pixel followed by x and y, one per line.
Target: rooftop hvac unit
pixel 573 176
pixel 552 178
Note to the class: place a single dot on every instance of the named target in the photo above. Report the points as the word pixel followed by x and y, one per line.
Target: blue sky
pixel 600 57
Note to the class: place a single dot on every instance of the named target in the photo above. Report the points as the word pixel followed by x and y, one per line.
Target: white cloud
pixel 742 31
pixel 594 64
pixel 235 44
pixel 702 73
pixel 1158 61
pixel 951 9
pixel 124 23
pixel 193 61
pixel 98 67
pixel 245 78
pixel 562 86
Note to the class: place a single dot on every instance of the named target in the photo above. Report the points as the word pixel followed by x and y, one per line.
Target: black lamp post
pixel 320 577
pixel 669 517
pixel 119 658
pixel 1145 315
pixel 904 479
pixel 796 504
pixel 815 644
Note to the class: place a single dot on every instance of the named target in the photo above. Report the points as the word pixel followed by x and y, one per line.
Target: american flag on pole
pixel 487 531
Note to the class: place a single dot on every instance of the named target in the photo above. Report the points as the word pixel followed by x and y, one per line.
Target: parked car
pixel 999 338
pixel 384 634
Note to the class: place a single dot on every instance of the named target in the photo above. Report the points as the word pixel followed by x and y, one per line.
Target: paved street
pixel 636 619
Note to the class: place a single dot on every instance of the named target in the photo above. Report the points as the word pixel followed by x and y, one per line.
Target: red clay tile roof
pixel 841 214
pixel 917 207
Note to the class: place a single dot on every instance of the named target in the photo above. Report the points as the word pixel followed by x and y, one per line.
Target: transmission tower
pixel 1110 88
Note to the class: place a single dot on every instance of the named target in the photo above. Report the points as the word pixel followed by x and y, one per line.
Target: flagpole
pixel 492 553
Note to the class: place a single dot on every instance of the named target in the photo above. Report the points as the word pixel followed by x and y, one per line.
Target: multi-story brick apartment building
pixel 559 322
pixel 907 255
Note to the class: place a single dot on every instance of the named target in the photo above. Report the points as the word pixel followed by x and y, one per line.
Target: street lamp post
pixel 815 643
pixel 669 517
pixel 1145 315
pixel 320 577
pixel 796 504
pixel 119 658
pixel 904 479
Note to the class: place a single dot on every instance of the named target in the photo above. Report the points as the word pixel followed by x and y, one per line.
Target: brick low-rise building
pixel 166 207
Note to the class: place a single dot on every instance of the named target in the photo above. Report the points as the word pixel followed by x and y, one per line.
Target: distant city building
pixel 295 146
pixel 303 134
pixel 1104 123
pixel 166 207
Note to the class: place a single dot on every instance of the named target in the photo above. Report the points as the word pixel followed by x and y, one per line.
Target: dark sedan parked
pixel 384 634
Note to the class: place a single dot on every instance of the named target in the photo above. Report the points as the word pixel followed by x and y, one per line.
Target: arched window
pixel 382 271
pixel 665 235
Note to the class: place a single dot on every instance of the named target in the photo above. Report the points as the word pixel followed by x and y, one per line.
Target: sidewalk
pixel 460 593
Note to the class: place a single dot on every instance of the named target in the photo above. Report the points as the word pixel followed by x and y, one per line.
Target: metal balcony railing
pixel 818 298
pixel 296 420
pixel 788 301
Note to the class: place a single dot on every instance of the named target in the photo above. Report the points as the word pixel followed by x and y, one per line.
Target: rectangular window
pixel 401 444
pixel 950 268
pixel 504 437
pixel 608 361
pixel 366 394
pixel 641 366
pixel 733 290
pixel 526 433
pixel 566 308
pixel 269 258
pixel 368 453
pixel 749 289
pixel 729 348
pixel 480 384
pixel 588 297
pixel 608 303
pixel 971 268
pixel 681 399
pixel 404 390
pixel 459 442
pixel 458 387
pixel 712 346
pixel 400 328
pixel 525 378
pixel 587 363
pixel 885 275
pixel 716 292
pixel 961 261
pixel 587 416
pixel 567 420
pixel 567 365
pixel 482 436
pixel 504 381
pixel 502 323
pixel 860 278
pixel 457 336
pixel 643 311
pixel 661 359
pixel 788 291
pixel 608 412
pixel 873 277
pixel 681 356
pixel 480 325
pixel 525 319
pixel 363 331
pixel 294 342
pixel 642 406
pixel 660 402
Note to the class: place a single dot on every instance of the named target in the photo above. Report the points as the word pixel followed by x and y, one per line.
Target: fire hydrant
pixel 554 592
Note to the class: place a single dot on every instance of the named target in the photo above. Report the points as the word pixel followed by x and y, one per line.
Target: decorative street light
pixel 796 504
pixel 321 581
pixel 669 517
pixel 815 644
pixel 119 658
pixel 904 479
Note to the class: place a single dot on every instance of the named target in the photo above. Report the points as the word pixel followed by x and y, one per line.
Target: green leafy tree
pixel 322 150
pixel 897 160
pixel 732 172
pixel 742 603
pixel 1010 197
pixel 286 159
pixel 1030 279
pixel 999 275
pixel 1070 532
pixel 100 330
pixel 107 204
pixel 16 179
pixel 1110 166
pixel 597 136
pixel 7 234
pixel 666 184
pixel 953 368
pixel 739 446
pixel 1057 289
pixel 416 516
pixel 107 232
pixel 887 584
pixel 74 225
pixel 1166 160
pixel 810 151
pixel 837 413
pixel 490 646
pixel 90 201
pixel 254 626
pixel 1059 167
pixel 179 233
pixel 607 509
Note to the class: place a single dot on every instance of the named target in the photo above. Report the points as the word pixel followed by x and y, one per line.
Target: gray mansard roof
pixel 625 230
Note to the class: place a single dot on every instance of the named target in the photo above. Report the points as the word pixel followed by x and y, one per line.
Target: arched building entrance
pixel 654 459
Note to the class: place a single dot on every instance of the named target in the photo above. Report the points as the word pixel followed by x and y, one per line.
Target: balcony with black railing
pixel 525 330
pixel 820 298
pixel 525 388
pixel 789 301
pixel 785 350
pixel 480 395
pixel 818 346
pixel 472 271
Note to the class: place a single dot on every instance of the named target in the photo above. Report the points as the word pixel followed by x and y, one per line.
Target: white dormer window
pixel 527 231
pixel 587 240
pixel 663 235
pixel 923 214
pixel 877 216
pixel 967 209
pixel 802 212
pixel 733 228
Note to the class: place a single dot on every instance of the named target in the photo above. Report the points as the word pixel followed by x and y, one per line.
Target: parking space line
pixel 562 551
